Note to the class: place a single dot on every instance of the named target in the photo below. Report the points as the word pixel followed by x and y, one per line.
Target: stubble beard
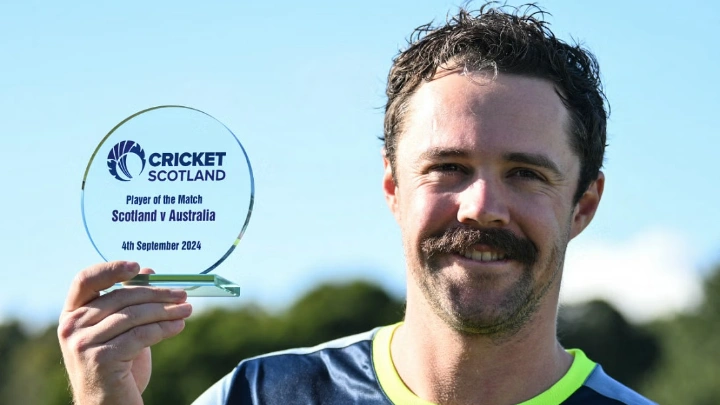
pixel 517 307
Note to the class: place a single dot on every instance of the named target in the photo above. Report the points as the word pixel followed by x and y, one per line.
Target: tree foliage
pixel 625 351
pixel 689 372
pixel 673 361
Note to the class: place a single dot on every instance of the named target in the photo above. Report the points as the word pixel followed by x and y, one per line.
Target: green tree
pixel 689 372
pixel 12 336
pixel 36 373
pixel 626 351
pixel 672 361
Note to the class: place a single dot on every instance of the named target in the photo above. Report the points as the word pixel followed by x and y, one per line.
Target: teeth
pixel 483 256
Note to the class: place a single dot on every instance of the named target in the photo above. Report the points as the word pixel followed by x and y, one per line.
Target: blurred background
pixel 302 86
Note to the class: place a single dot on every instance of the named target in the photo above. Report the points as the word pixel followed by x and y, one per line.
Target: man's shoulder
pixel 337 371
pixel 335 344
pixel 348 351
pixel 601 389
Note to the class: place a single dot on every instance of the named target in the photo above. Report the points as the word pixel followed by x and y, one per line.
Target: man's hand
pixel 105 340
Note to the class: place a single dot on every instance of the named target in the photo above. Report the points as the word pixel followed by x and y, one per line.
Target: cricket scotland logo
pixel 118 164
pixel 126 161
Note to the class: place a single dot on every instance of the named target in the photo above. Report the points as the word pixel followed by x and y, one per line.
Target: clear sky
pixel 302 85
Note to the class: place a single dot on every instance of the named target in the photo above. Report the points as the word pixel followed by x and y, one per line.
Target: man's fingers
pixel 98 309
pixel 138 316
pixel 98 338
pixel 105 339
pixel 88 283
pixel 136 339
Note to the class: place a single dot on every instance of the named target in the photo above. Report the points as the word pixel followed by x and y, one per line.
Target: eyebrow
pixel 440 153
pixel 533 159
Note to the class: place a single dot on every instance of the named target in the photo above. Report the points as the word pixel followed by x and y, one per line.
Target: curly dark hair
pixel 513 40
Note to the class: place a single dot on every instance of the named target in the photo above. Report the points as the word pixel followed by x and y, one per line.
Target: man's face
pixel 485 182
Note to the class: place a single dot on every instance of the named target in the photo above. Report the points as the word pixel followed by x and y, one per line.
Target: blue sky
pixel 302 84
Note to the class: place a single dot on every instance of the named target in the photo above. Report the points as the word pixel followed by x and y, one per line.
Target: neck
pixel 442 365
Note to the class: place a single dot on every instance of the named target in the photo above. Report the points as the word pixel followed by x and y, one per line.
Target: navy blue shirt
pixel 358 370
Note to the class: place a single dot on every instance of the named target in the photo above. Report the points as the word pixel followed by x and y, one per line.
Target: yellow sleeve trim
pixel 398 392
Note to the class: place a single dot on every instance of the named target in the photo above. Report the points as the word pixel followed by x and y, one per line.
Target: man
pixel 494 140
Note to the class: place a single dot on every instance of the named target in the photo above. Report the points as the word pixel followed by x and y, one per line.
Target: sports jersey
pixel 359 370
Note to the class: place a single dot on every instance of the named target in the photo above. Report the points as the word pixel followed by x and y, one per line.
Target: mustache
pixel 460 239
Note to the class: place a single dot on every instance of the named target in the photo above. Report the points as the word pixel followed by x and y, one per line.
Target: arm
pixel 105 340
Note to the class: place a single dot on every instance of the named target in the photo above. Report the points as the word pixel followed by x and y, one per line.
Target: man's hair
pixel 505 40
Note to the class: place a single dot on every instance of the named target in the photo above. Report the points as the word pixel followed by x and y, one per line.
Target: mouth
pixel 484 255
pixel 488 247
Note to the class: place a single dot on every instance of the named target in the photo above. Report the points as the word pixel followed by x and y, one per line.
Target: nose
pixel 482 203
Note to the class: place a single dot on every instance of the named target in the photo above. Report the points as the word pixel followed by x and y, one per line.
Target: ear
pixel 587 206
pixel 389 187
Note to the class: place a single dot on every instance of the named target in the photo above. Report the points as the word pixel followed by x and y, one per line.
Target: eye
pixel 526 174
pixel 447 168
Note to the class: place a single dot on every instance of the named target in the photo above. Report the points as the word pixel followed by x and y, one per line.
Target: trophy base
pixel 196 285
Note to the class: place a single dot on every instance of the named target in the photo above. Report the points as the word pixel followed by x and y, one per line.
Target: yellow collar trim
pixel 398 392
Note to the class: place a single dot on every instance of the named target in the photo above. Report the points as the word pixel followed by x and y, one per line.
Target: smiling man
pixel 482 186
pixel 494 140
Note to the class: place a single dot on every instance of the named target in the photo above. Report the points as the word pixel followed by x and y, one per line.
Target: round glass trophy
pixel 171 188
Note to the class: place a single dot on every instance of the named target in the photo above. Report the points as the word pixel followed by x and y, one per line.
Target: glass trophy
pixel 171 188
